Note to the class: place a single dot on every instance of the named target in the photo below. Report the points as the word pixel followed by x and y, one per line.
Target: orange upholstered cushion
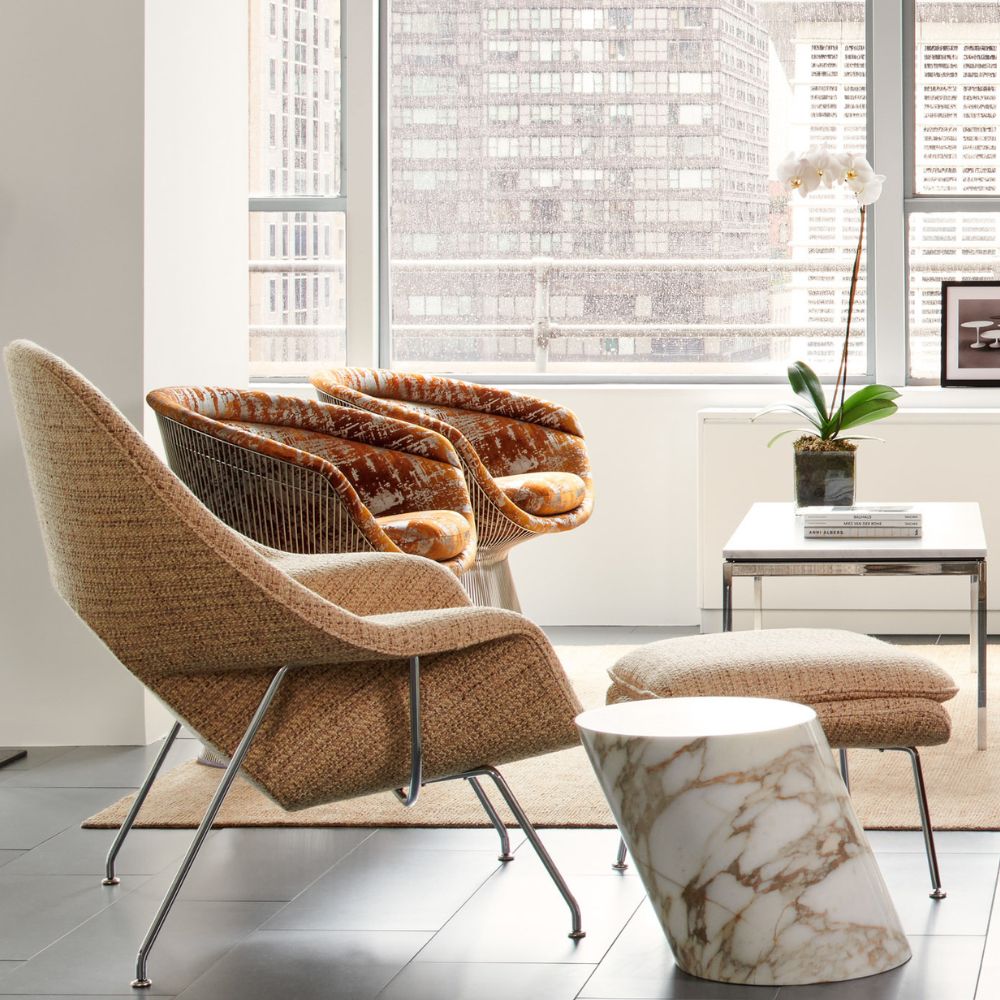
pixel 542 493
pixel 436 534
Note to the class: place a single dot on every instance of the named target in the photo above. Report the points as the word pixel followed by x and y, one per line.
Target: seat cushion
pixel 436 534
pixel 542 493
pixel 866 693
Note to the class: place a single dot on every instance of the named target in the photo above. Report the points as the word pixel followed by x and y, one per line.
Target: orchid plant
pixel 805 173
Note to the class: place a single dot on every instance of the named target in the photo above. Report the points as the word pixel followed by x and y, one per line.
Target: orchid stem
pixel 841 382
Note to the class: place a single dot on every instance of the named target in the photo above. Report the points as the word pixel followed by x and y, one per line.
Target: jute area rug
pixel 560 790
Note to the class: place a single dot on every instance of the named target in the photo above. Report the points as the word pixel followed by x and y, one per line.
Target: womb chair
pixel 524 459
pixel 302 476
pixel 322 677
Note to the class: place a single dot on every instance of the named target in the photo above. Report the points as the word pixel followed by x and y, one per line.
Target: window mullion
pixel 887 243
pixel 360 118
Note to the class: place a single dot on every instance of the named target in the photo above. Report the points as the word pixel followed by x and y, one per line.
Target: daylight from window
pixel 297 307
pixel 587 187
pixel 957 153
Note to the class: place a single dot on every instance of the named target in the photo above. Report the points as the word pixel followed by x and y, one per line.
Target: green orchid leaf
pixel 788 408
pixel 791 430
pixel 866 393
pixel 866 413
pixel 805 383
pixel 861 437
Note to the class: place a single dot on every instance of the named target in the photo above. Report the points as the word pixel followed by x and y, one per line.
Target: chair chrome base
pixel 491 585
pixel 408 797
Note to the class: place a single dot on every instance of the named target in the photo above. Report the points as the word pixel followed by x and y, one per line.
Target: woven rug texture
pixel 560 790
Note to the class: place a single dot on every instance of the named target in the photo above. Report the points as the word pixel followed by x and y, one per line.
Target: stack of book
pixel 862 521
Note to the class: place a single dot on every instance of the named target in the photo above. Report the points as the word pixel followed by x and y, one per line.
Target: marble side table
pixel 745 839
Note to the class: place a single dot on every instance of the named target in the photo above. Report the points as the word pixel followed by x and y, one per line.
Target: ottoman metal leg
pixel 925 821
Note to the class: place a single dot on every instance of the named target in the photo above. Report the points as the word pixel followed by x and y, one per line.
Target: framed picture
pixel 970 332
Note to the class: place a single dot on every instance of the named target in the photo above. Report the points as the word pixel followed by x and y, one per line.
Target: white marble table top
pixel 695 718
pixel 773 531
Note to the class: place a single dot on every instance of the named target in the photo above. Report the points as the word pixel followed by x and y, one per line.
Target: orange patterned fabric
pixel 436 534
pixel 496 433
pixel 545 493
pixel 378 466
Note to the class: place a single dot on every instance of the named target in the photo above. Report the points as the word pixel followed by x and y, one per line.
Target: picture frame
pixel 970 333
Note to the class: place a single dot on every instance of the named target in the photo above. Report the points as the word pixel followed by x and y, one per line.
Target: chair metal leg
pixel 408 797
pixel 543 855
pixel 110 878
pixel 498 823
pixel 925 822
pixel 843 768
pixel 141 980
pixel 621 864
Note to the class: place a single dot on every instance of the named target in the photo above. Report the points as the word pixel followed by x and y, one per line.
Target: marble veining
pixel 751 853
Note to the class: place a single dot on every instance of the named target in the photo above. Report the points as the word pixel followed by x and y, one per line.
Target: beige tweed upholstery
pixel 204 618
pixel 865 692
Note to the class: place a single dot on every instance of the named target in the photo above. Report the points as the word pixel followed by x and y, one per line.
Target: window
pixel 295 184
pixel 610 208
pixel 953 229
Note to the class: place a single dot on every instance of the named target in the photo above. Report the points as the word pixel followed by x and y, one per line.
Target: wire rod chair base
pixel 110 878
pixel 141 980
pixel 491 585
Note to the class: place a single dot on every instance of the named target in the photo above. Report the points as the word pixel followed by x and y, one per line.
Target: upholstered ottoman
pixel 865 692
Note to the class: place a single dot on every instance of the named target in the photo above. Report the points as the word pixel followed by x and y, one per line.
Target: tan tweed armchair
pixel 323 677
pixel 524 459
pixel 303 476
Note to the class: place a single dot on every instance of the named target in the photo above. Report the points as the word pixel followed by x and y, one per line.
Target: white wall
pixel 71 279
pixel 117 130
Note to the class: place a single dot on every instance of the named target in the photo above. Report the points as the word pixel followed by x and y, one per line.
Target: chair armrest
pixel 373 583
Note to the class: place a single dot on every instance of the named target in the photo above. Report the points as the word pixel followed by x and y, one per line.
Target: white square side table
pixel 769 542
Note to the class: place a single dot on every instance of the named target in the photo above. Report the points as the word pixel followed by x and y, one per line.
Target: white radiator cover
pixel 927 454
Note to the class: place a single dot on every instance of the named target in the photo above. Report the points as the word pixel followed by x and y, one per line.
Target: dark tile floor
pixel 401 914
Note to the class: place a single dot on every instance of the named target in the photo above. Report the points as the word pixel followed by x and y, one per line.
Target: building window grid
pixel 294 323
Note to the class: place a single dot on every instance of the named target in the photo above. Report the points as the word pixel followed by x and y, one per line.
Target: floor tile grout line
pixel 614 941
pixel 986 938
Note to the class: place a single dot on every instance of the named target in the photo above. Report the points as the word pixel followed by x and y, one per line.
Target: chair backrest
pixel 167 586
pixel 437 390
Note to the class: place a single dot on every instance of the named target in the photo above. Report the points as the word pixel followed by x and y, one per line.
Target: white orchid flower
pixel 797 173
pixel 857 173
pixel 825 164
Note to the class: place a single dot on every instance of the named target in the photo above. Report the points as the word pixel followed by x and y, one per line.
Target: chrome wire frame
pixel 274 502
pixel 488 582
pixel 142 981
pixel 937 892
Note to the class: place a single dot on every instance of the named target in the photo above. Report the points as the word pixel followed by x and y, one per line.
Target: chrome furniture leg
pixel 843 768
pixel 110 878
pixel 977 642
pixel 408 797
pixel 727 597
pixel 503 788
pixel 498 823
pixel 758 603
pixel 925 821
pixel 621 864
pixel 141 980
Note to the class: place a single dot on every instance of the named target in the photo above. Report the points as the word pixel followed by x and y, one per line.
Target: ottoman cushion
pixel 866 693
